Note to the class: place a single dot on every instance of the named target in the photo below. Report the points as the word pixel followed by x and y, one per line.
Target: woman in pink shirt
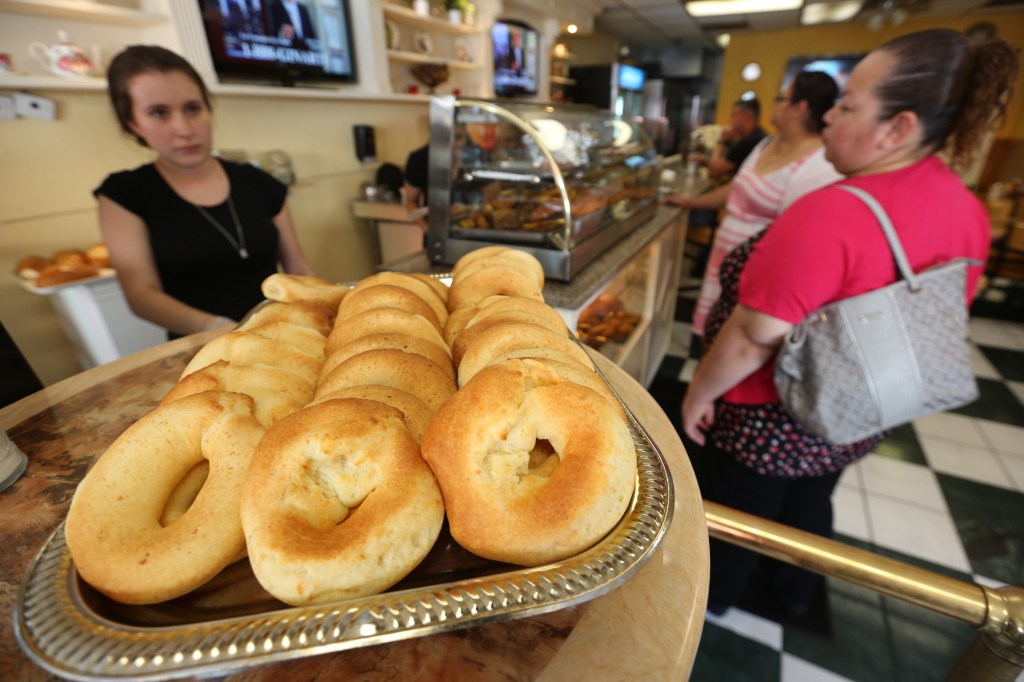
pixel 780 169
pixel 916 96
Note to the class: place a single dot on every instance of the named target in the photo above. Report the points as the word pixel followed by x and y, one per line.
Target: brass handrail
pixel 996 654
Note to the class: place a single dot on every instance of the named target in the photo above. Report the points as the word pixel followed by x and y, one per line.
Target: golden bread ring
pixel 243 348
pixel 457 321
pixel 476 254
pixel 505 304
pixel 514 260
pixel 386 367
pixel 567 367
pixel 404 342
pixel 509 336
pixel 338 503
pixel 113 526
pixel 276 392
pixel 437 285
pixel 533 468
pixel 487 282
pixel 415 411
pixel 305 314
pixel 386 296
pixel 306 339
pixel 380 321
pixel 399 279
pixel 304 289
pixel 477 326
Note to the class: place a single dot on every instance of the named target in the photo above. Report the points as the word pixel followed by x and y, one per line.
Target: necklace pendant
pixel 244 253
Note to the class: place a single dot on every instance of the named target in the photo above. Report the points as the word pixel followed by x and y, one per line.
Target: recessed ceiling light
pixel 832 12
pixel 723 40
pixel 718 8
pixel 571 28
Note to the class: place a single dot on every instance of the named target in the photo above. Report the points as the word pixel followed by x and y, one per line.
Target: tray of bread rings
pixel 73 631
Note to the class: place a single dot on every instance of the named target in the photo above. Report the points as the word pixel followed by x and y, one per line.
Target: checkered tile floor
pixel 945 493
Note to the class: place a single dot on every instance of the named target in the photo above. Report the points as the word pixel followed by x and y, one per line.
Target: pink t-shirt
pixel 828 246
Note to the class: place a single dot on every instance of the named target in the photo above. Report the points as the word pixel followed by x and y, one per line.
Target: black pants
pixel 804 503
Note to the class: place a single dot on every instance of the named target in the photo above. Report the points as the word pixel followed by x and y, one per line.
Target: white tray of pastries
pixel 85 629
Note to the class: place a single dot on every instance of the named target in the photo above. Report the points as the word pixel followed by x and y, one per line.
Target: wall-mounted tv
pixel 516 51
pixel 630 77
pixel 839 66
pixel 283 41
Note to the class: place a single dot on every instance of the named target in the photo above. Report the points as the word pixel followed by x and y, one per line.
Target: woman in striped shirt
pixel 781 169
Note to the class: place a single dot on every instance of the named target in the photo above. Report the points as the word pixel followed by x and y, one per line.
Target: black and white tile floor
pixel 945 493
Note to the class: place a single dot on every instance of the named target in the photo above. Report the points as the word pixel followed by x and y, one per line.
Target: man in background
pixel 290 19
pixel 739 137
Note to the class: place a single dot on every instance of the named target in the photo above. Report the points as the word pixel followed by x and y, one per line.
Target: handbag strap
pixel 890 235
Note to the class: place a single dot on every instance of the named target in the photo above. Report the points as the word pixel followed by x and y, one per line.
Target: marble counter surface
pixel 572 295
pixel 648 628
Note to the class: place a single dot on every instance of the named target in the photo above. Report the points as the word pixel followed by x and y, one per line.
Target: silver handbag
pixel 865 364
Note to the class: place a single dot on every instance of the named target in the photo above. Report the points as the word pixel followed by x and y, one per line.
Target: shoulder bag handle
pixel 890 235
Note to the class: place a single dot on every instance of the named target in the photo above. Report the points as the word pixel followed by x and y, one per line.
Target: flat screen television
pixel 516 51
pixel 630 77
pixel 280 41
pixel 839 66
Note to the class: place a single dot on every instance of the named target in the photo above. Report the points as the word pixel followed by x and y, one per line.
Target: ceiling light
pixel 571 28
pixel 718 8
pixel 890 11
pixel 723 40
pixel 828 13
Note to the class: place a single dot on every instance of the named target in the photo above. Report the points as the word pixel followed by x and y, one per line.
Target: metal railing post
pixel 995 655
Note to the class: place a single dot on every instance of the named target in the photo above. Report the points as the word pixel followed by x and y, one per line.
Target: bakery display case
pixel 562 182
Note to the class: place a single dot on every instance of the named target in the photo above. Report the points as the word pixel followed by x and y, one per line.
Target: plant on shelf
pixel 456 4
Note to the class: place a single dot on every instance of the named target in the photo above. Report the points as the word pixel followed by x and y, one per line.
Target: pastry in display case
pixel 563 182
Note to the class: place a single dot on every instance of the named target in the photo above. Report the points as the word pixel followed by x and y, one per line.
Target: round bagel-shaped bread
pixel 304 289
pixel 505 304
pixel 488 282
pixel 243 348
pixel 415 411
pixel 568 368
pixel 386 296
pixel 457 321
pixel 113 526
pixel 338 503
pixel 437 285
pixel 533 468
pixel 308 340
pixel 411 284
pixel 512 259
pixel 476 254
pixel 510 336
pixel 382 321
pixel 275 391
pixel 407 371
pixel 403 342
pixel 312 316
pixel 477 326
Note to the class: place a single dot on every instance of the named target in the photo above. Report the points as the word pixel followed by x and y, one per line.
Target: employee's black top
pixel 196 263
pixel 417 166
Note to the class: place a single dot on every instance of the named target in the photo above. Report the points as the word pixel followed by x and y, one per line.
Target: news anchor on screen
pixel 290 19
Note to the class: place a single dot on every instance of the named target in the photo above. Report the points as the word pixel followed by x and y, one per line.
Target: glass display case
pixel 563 182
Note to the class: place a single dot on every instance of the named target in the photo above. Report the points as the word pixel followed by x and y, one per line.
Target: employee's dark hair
pixel 136 59
pixel 959 91
pixel 751 105
pixel 819 91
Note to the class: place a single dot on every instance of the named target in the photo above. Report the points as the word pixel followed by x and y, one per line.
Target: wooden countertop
pixel 648 628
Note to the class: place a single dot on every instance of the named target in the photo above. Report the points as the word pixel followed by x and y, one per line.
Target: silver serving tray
pixel 74 632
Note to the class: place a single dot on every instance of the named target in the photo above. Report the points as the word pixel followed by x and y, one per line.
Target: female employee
pixel 916 96
pixel 191 236
pixel 779 170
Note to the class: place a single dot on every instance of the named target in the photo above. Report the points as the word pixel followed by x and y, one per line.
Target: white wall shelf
pixel 407 16
pixel 75 10
pixel 418 58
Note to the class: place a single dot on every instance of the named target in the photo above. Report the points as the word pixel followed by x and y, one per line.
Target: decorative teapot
pixel 63 58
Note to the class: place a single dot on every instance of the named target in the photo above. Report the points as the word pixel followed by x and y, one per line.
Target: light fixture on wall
pixel 571 28
pixel 890 12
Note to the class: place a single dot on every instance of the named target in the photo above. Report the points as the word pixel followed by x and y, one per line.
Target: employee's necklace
pixel 238 244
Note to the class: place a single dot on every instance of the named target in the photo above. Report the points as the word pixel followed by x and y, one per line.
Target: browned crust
pixel 488 282
pixel 406 371
pixel 416 286
pixel 396 341
pixel 380 321
pixel 509 336
pixel 305 314
pixel 386 296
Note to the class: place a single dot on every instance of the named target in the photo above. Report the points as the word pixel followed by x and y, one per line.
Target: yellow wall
pixel 50 168
pixel 771 49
